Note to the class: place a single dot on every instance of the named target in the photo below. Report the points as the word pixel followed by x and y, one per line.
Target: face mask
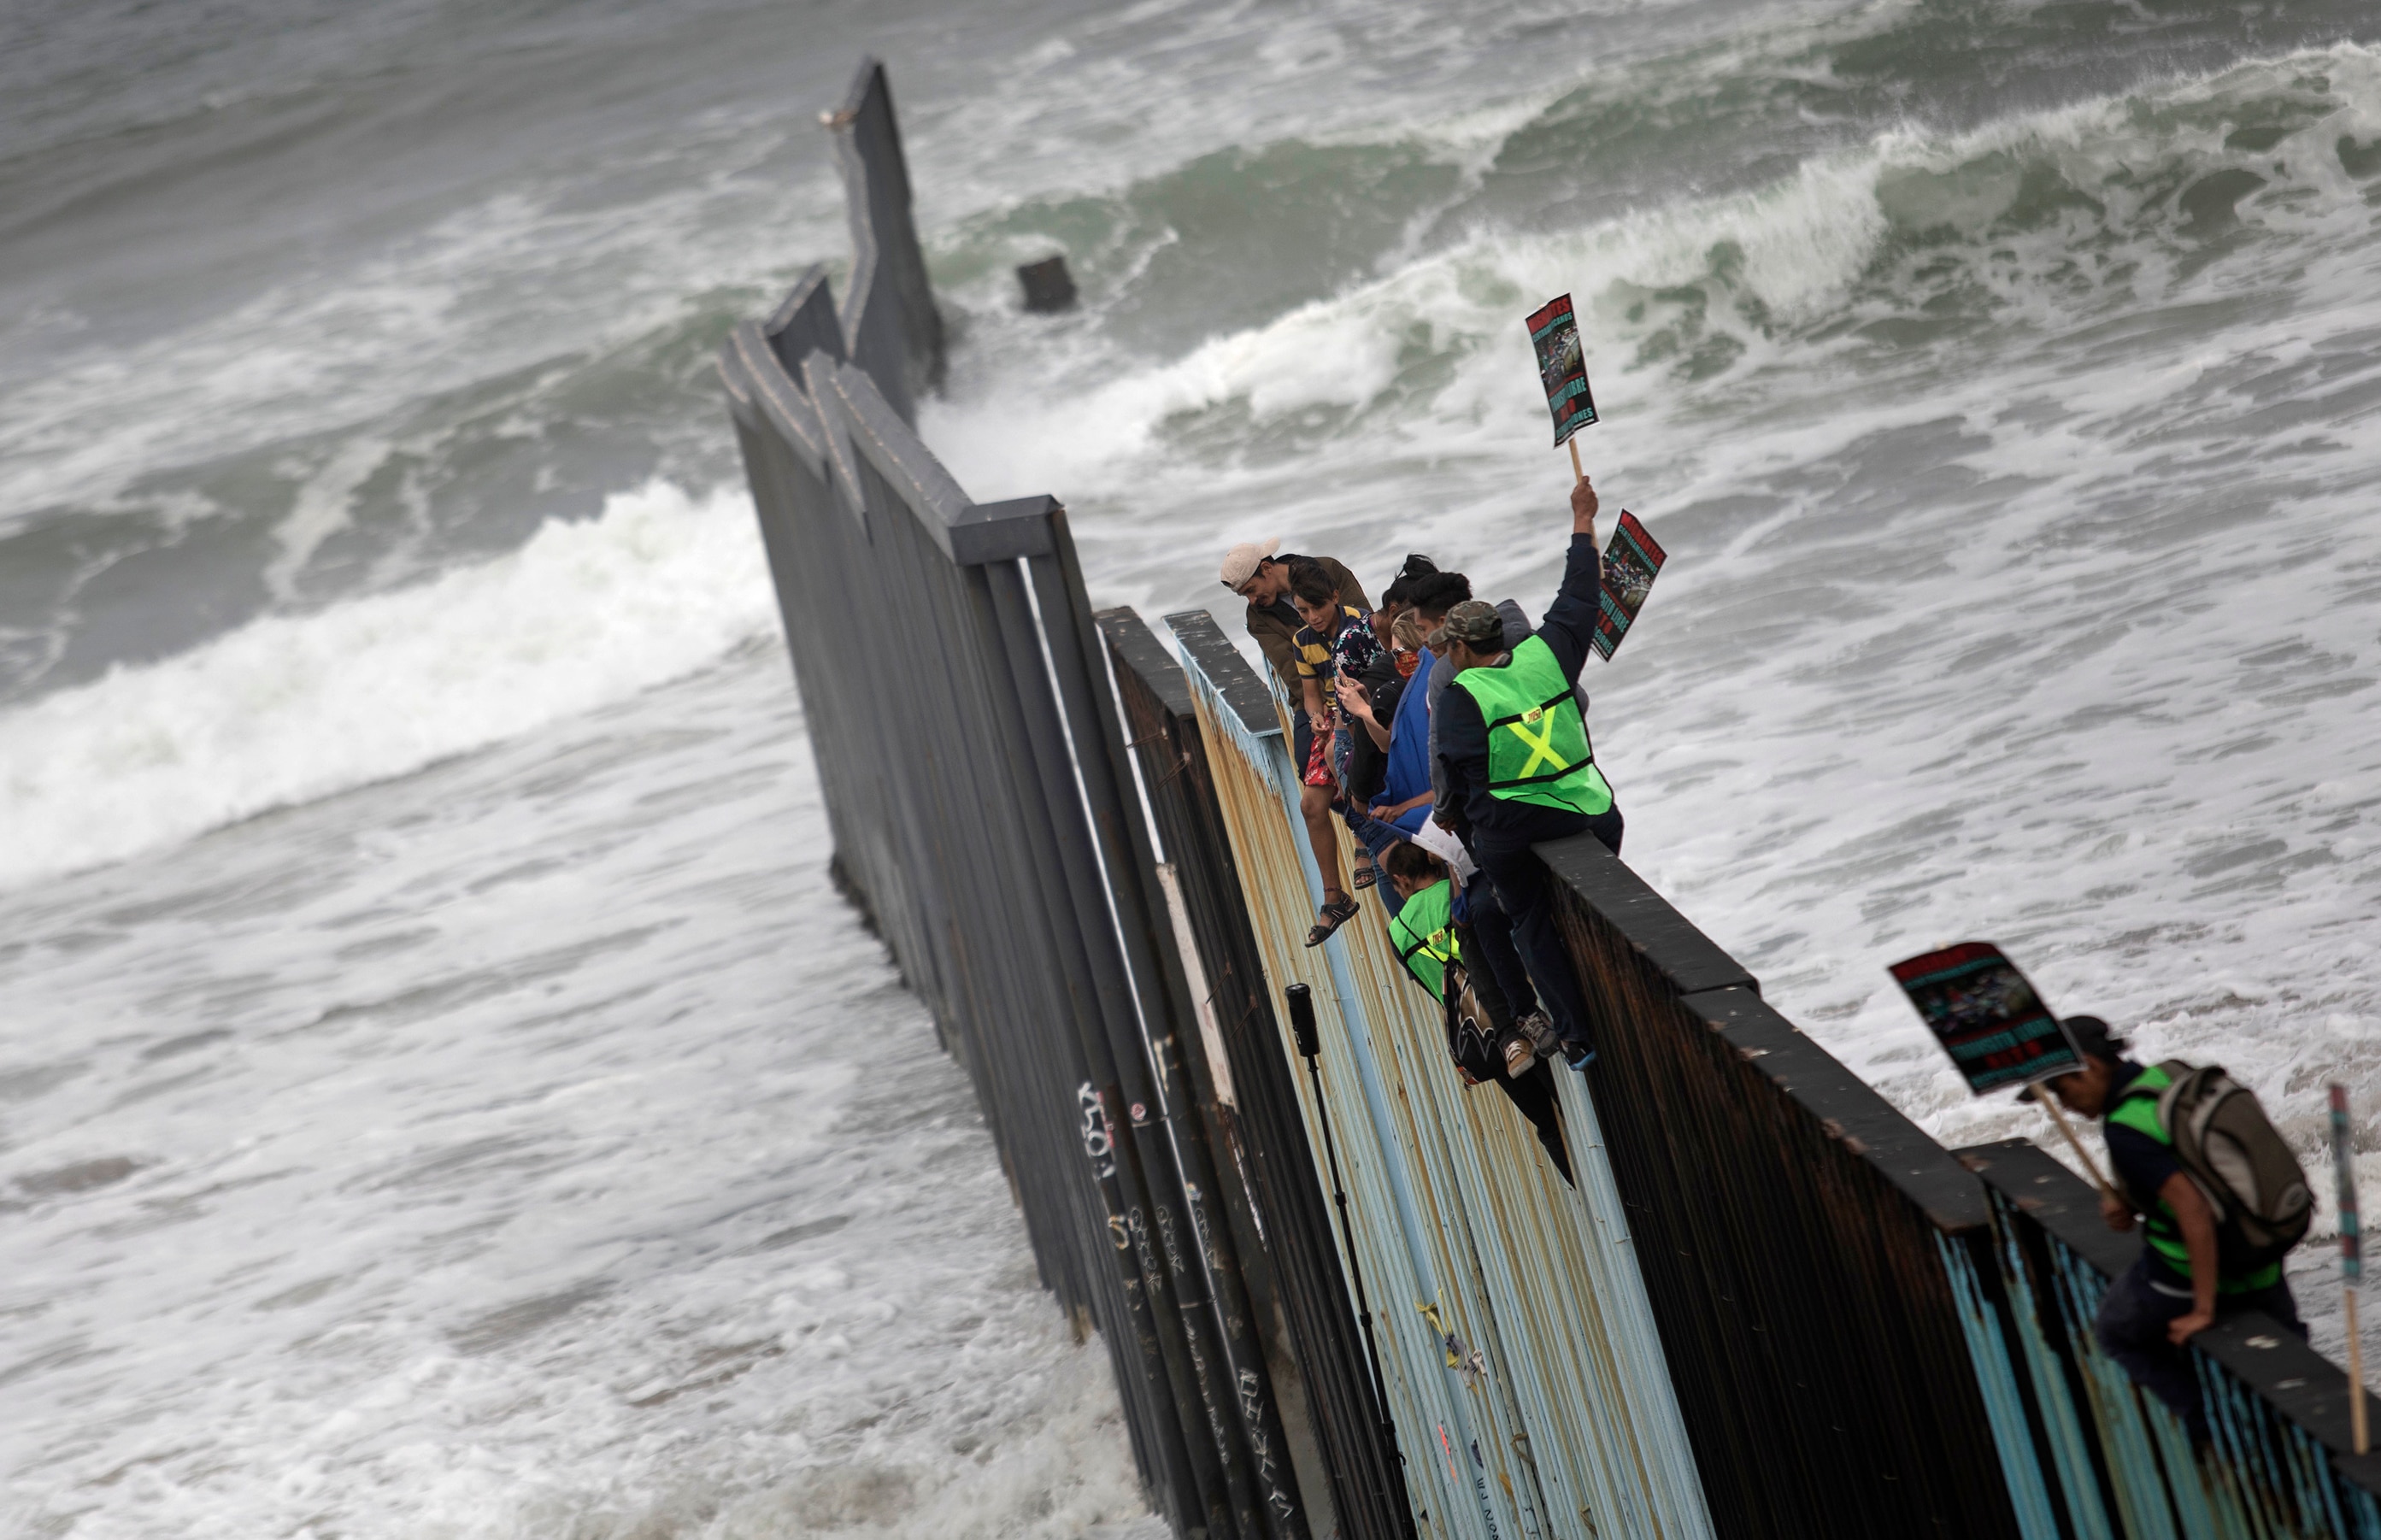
pixel 1407 663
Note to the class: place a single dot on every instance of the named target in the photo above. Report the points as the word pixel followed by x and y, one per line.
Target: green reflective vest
pixel 1538 750
pixel 2137 1109
pixel 1423 933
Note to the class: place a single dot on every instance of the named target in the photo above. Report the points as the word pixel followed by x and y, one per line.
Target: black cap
pixel 2092 1037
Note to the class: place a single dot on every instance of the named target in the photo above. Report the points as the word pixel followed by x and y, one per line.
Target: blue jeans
pixel 1370 832
pixel 2131 1329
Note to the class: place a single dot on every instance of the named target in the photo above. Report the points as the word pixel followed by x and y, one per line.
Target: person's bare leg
pixel 1322 837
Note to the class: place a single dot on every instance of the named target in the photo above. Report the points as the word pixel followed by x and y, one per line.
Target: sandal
pixel 1329 919
pixel 1366 872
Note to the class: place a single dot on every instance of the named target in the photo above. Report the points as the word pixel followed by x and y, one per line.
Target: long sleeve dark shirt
pixel 1463 734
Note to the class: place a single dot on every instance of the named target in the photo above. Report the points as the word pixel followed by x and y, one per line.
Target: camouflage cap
pixel 1474 622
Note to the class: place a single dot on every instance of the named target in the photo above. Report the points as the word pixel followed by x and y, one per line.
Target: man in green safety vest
pixel 2181 1283
pixel 1519 766
pixel 1428 931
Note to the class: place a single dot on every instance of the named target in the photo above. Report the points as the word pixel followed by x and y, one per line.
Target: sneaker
pixel 1578 1057
pixel 1540 1029
pixel 1518 1057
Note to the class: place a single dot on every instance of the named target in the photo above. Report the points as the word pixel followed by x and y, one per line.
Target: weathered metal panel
pixel 1272 1196
pixel 1557 1417
pixel 1786 1222
pixel 2281 1466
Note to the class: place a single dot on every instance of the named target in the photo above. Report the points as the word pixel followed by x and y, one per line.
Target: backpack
pixel 1471 1039
pixel 2251 1179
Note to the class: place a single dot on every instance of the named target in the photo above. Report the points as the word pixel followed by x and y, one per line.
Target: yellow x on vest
pixel 1540 742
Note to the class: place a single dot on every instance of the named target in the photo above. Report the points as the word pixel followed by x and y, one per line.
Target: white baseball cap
pixel 1240 561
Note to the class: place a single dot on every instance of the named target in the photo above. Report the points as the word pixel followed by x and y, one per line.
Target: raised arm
pixel 1570 620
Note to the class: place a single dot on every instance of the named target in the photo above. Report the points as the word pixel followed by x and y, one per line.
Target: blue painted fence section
pixel 2280 1465
pixel 1529 1385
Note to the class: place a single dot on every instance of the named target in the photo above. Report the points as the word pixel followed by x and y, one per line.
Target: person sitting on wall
pixel 1368 757
pixel 2183 1281
pixel 1428 932
pixel 1336 647
pixel 1376 706
pixel 1520 765
pixel 1501 974
pixel 1404 798
pixel 1252 570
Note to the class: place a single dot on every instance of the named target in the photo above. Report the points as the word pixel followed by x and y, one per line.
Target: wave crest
pixel 289 708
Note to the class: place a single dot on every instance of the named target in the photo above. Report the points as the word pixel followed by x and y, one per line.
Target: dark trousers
pixel 1492 932
pixel 1533 1097
pixel 2131 1329
pixel 1521 879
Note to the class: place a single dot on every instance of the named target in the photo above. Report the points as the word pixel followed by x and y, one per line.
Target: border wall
pixel 1765 1305
pixel 1517 1361
pixel 976 787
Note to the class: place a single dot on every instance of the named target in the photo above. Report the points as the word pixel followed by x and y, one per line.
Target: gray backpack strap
pixel 2184 1107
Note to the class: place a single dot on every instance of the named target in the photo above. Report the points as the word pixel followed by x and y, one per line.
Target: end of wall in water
pixel 1001 857
pixel 890 325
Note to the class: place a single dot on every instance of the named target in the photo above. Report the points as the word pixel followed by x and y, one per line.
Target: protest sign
pixel 2351 1257
pixel 1987 1018
pixel 1632 558
pixel 1562 368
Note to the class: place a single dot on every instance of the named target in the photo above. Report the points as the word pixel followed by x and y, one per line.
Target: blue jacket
pixel 1410 748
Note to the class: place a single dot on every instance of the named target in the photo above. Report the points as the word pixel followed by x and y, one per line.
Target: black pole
pixel 1301 1026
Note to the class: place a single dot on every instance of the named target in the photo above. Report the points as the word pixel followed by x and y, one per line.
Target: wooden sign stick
pixel 2051 1106
pixel 1575 471
pixel 2356 1425
pixel 2351 1259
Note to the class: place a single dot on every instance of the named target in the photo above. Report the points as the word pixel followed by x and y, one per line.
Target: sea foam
pixel 292 707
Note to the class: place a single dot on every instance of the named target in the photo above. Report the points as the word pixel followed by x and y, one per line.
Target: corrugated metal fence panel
pixel 2281 1468
pixel 1557 1407
pixel 1227 1358
pixel 1414 1379
pixel 977 785
pixel 1289 1257
pixel 1788 1222
pixel 980 870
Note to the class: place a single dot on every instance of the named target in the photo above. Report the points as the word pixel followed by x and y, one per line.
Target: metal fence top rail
pixel 969 533
pixel 1241 687
pixel 1690 959
pixel 1848 1109
pixel 2296 1381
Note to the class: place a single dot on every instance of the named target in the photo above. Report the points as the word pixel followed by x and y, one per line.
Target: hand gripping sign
pixel 1632 557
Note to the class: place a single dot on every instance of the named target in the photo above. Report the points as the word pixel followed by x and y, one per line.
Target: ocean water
pixel 439 1094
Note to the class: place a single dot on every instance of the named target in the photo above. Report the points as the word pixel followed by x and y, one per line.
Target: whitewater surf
pixel 440 1094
